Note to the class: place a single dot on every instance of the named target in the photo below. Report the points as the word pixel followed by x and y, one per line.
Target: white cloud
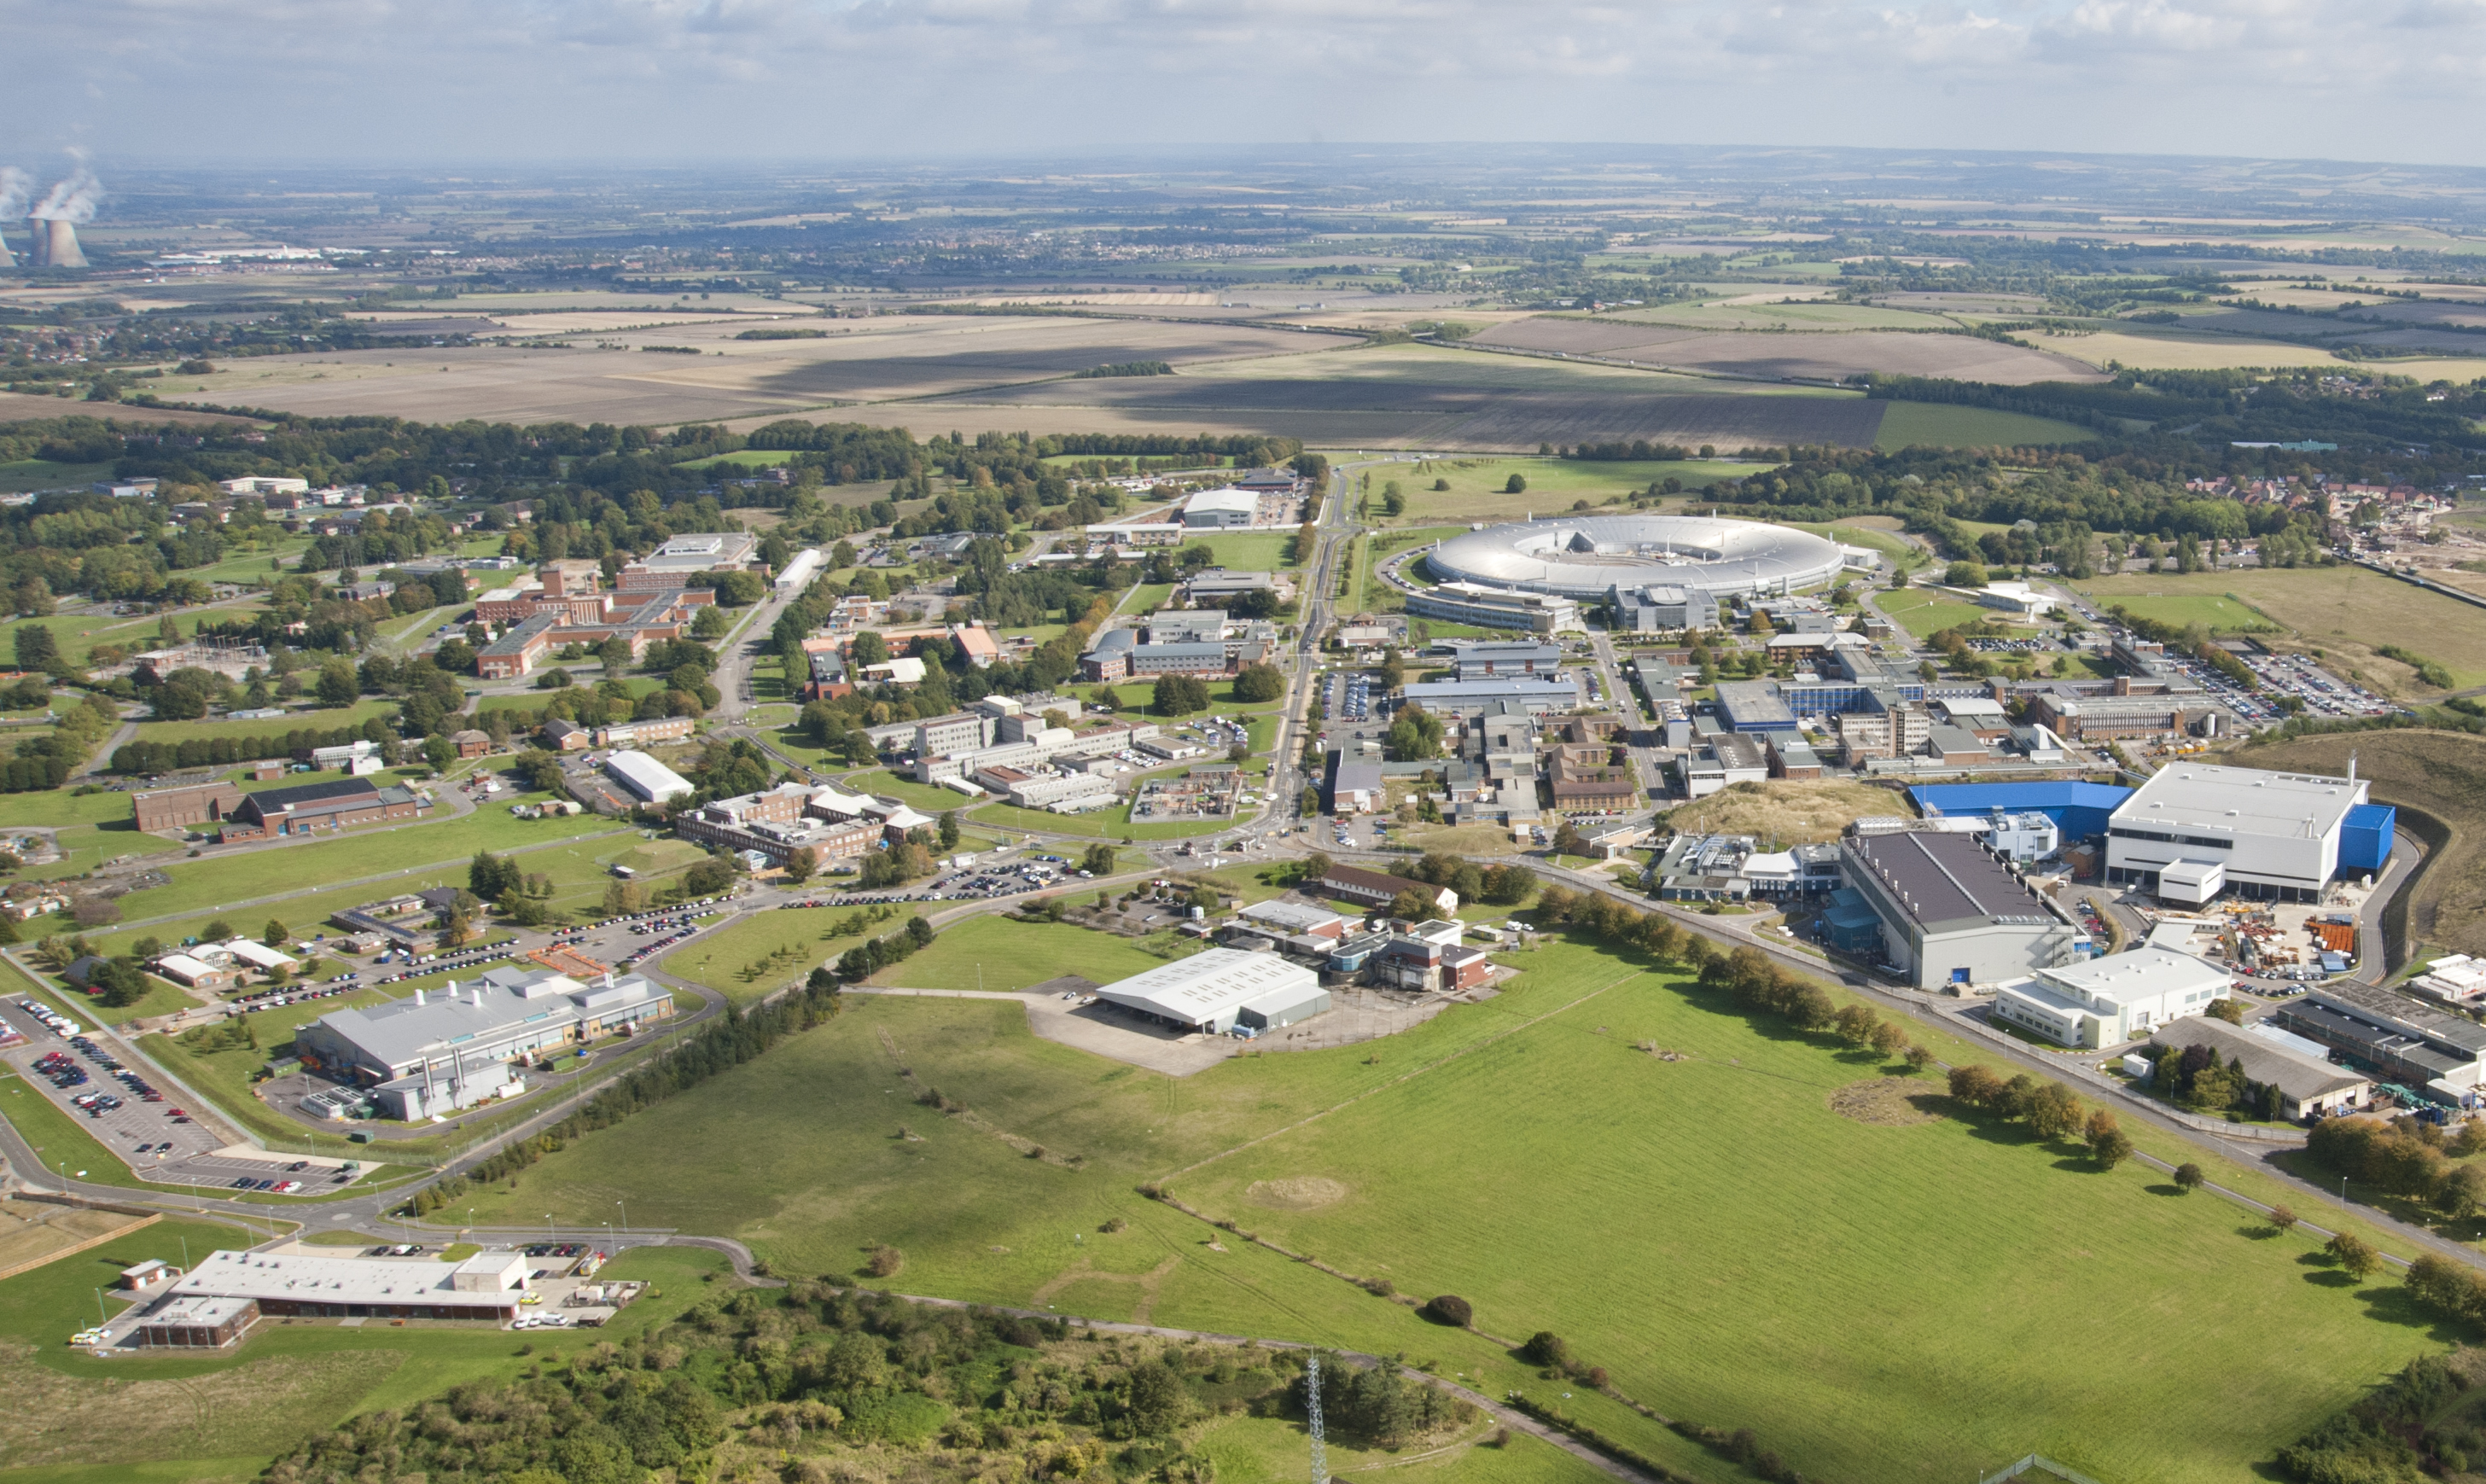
pixel 646 79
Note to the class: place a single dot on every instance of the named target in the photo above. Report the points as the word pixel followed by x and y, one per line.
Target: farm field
pixel 1968 1257
pixel 2343 609
pixel 2174 350
pixel 894 358
pixel 1939 426
pixel 1772 355
pixel 2216 613
pixel 74 1419
pixel 2443 775
pixel 44 474
pixel 1427 396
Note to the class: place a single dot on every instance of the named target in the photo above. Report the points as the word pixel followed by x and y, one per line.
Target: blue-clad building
pixel 2078 810
pixel 2366 838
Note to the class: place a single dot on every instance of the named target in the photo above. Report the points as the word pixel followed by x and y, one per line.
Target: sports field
pixel 1877 1298
pixel 2348 611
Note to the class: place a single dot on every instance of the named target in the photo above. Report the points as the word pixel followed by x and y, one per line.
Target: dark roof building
pixel 307 808
pixel 1953 911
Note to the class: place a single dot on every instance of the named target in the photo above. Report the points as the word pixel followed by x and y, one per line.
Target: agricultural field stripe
pixel 1404 1076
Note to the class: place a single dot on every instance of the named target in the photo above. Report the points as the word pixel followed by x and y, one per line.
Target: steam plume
pixel 73 200
pixel 15 188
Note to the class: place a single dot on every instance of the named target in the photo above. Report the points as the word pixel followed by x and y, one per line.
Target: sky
pixel 522 81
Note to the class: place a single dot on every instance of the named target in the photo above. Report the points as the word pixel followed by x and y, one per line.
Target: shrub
pixel 2282 1218
pixel 884 1261
pixel 1451 1309
pixel 1116 1224
pixel 1546 1348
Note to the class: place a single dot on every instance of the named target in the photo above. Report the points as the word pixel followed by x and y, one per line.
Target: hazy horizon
pixel 644 82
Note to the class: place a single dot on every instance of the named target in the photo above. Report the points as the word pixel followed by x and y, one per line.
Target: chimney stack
pixel 418 995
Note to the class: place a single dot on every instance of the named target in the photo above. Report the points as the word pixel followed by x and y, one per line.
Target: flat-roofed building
pixel 437 1037
pixel 674 563
pixel 293 1284
pixel 2105 1002
pixel 1298 918
pixel 1488 660
pixel 1951 912
pixel 2401 1039
pixel 2272 835
pixel 197 1322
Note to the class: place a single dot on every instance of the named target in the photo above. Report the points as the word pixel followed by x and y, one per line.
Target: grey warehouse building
pixel 1952 912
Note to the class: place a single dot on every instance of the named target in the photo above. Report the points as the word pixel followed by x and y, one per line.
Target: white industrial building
pixel 647 778
pixel 436 1053
pixel 1952 912
pixel 1221 508
pixel 487 1286
pixel 2194 829
pixel 1216 990
pixel 799 572
pixel 2106 1001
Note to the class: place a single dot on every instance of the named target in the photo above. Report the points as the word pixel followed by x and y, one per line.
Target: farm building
pixel 2268 835
pixel 1215 990
pixel 1952 912
pixel 2106 1001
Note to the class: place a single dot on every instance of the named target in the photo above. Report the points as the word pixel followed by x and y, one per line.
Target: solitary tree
pixel 2111 1148
pixel 2354 1255
pixel 277 934
pixel 2282 1218
pixel 2188 1176
pixel 799 866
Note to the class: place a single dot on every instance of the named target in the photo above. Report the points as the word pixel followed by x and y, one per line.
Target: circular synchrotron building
pixel 1588 557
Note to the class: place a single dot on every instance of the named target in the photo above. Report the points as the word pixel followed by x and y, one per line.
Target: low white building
pixel 2106 1001
pixel 647 778
pixel 2459 979
pixel 2017 597
pixel 1211 990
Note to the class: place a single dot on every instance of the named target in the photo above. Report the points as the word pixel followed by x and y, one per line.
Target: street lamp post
pixel 626 1215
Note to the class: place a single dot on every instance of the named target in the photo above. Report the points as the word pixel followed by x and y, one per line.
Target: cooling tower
pixel 61 245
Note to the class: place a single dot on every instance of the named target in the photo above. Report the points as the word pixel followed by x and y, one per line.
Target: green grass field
pixel 21 474
pixel 1477 485
pixel 1936 424
pixel 324 719
pixel 1875 1301
pixel 92 829
pixel 1013 955
pixel 1921 611
pixel 2215 611
pixel 212 883
pixel 741 962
